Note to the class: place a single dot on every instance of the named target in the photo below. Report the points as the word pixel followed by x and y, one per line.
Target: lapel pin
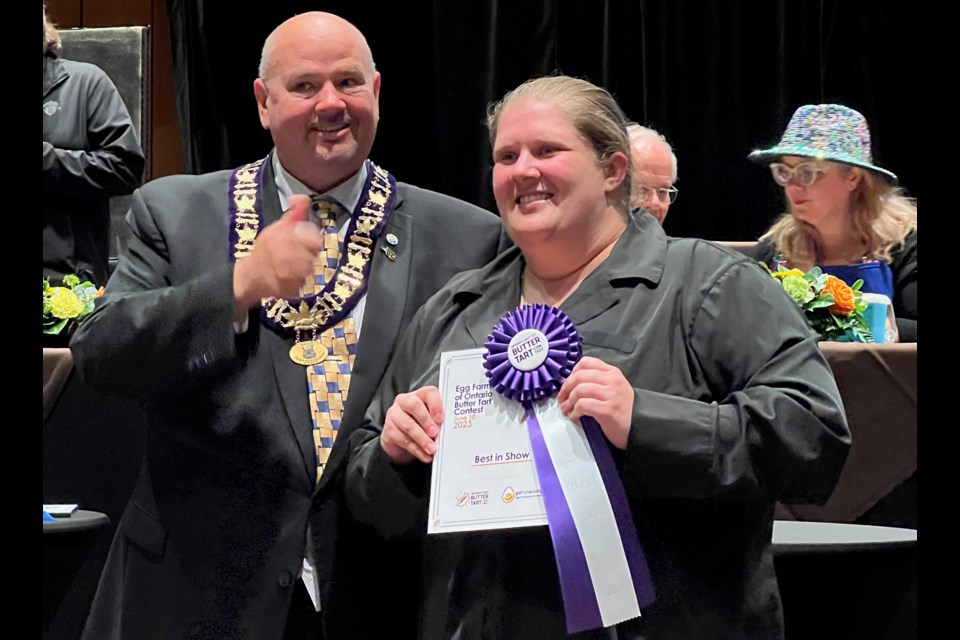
pixel 392 240
pixel 390 253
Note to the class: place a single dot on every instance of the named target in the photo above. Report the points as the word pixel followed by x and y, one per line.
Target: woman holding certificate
pixel 699 379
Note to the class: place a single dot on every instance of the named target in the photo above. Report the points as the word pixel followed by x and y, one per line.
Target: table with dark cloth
pixel 878 383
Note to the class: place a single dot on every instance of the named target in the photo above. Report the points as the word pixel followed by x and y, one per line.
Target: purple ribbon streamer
pixel 636 560
pixel 579 599
pixel 576 587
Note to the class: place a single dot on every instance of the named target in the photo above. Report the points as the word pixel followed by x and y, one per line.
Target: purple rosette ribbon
pixel 530 352
pixel 560 353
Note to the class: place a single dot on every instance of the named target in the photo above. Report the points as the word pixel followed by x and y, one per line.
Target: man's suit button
pixel 284 579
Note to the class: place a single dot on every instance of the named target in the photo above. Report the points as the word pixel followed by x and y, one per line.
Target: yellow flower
pixel 791 272
pixel 64 303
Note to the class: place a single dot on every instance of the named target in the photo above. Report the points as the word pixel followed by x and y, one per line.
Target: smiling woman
pixel 561 180
pixel 709 389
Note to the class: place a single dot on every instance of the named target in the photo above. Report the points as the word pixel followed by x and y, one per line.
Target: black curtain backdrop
pixel 717 77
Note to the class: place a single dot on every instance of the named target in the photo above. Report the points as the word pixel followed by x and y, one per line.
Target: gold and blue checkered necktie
pixel 329 381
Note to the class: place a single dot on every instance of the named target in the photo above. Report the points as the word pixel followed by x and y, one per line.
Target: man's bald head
pixel 318 94
pixel 313 22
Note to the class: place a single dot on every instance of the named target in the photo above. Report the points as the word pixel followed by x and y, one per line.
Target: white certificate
pixel 483 473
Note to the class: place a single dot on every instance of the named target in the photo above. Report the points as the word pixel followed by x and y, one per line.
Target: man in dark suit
pixel 206 321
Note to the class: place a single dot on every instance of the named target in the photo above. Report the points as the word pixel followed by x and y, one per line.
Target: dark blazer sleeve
pixel 774 423
pixel 903 263
pixel 152 333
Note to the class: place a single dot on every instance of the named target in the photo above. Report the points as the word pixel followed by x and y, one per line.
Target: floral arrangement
pixel 832 308
pixel 64 307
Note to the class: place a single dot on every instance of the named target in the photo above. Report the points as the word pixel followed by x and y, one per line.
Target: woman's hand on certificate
pixel 412 425
pixel 601 391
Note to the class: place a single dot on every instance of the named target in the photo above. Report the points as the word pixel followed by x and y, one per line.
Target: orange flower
pixel 844 302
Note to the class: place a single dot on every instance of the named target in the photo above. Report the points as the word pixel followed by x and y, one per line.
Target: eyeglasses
pixel 805 173
pixel 665 196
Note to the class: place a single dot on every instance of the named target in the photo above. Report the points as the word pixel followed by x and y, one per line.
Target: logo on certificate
pixel 508 495
pixel 473 498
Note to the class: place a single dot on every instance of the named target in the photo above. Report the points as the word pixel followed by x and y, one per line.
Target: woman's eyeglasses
pixel 805 173
pixel 664 195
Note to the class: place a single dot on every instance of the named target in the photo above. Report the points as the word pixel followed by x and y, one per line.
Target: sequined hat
pixel 825 132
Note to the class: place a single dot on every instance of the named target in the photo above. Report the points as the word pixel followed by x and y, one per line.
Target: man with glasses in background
pixel 655 172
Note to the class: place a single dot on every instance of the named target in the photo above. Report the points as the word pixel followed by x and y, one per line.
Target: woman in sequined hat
pixel 844 213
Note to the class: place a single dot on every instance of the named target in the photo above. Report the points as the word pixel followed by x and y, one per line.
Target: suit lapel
pixel 498 293
pixel 382 318
pixel 291 377
pixel 594 300
pixel 639 253
pixel 292 381
pixel 384 311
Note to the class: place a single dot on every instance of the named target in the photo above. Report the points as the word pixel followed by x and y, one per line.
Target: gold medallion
pixel 339 293
pixel 308 352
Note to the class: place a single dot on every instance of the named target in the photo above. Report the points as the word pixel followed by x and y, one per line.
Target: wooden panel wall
pixel 166 154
